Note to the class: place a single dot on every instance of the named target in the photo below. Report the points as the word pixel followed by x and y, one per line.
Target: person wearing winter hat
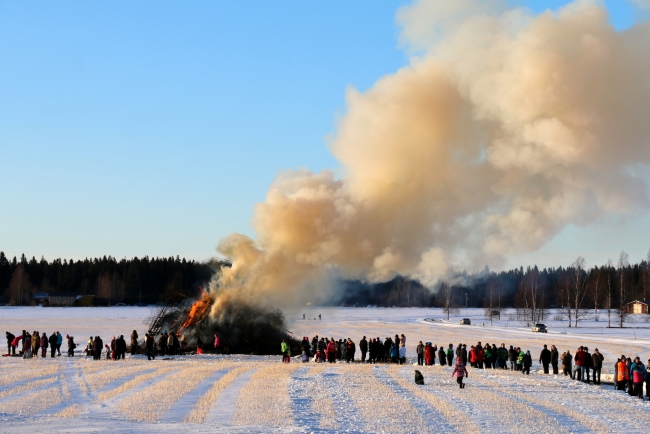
pixel 460 371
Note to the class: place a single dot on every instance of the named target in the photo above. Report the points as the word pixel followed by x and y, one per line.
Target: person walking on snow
pixel 460 372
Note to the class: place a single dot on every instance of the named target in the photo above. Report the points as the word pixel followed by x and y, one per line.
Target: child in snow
pixel 460 371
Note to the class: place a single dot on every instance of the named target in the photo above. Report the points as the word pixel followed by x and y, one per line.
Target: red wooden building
pixel 636 306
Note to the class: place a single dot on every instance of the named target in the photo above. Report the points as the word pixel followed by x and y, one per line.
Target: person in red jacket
pixel 331 351
pixel 580 367
pixel 472 356
pixel 460 372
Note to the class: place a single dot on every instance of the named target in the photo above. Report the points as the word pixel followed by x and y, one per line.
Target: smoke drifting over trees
pixel 503 129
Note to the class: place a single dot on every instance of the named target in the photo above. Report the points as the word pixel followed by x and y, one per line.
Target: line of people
pixel 31 344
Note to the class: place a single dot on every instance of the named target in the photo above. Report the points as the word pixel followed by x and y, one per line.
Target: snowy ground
pixel 259 394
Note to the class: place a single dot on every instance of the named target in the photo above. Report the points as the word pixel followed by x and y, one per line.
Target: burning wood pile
pixel 242 328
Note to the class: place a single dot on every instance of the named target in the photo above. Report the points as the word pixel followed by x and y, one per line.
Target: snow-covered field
pixel 258 394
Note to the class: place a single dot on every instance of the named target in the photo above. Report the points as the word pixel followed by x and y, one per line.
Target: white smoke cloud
pixel 505 128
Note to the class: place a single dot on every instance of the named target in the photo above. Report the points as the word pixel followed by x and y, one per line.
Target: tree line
pixel 107 279
pixel 574 289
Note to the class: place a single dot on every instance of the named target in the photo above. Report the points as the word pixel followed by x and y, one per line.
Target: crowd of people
pixel 629 374
pixel 30 345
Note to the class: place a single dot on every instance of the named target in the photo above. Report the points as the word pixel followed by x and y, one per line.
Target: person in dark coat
pixel 363 346
pixel 351 348
pixel 442 357
pixel 98 346
pixel 53 341
pixel 162 342
pixel 71 346
pixel 420 352
pixel 11 350
pixel 149 344
pixel 589 363
pixel 545 358
pixel 554 359
pixel 597 363
pixel 134 343
pixel 44 344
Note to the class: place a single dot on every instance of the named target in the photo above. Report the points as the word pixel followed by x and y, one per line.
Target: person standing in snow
pixel 350 350
pixel 419 350
pixel 90 348
pixel 622 374
pixel 637 372
pixel 460 372
pixel 71 346
pixel 450 354
pixel 331 351
pixel 647 379
pixel 442 357
pixel 545 358
pixel 53 340
pixel 512 355
pixel 588 363
pixel 567 362
pixel 597 363
pixel 59 341
pixel 527 362
pixel 554 359
pixel 402 353
pixel 11 349
pixel 44 344
pixel 363 346
pixel 134 343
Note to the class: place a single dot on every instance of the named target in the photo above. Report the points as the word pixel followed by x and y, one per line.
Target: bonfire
pixel 243 328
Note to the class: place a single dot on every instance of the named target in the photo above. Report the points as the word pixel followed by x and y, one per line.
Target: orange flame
pixel 198 309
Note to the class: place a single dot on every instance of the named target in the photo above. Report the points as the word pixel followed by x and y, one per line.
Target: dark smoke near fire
pixel 243 328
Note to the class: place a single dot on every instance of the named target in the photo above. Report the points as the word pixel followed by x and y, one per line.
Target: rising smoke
pixel 504 128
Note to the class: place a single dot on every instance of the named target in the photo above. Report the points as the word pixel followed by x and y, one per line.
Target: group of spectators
pixel 374 350
pixel 30 344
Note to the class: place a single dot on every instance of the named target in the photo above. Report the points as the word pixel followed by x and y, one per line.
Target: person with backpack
pixel 460 371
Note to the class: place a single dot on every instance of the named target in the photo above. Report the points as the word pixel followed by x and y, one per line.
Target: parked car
pixel 465 321
pixel 539 328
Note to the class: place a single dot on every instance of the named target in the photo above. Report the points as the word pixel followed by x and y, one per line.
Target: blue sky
pixel 152 128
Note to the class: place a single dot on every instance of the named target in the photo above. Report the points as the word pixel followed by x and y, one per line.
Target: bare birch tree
pixel 609 293
pixel 623 263
pixel 578 286
pixel 445 290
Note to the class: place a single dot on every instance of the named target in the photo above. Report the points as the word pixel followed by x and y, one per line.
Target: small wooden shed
pixel 636 307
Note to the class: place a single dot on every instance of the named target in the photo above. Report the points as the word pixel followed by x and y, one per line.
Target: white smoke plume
pixel 504 128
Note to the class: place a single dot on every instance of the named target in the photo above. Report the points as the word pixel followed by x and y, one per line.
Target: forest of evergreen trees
pixel 109 280
pixel 170 280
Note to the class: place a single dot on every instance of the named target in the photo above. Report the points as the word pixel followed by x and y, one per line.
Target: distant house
pixel 40 297
pixel 55 298
pixel 636 307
